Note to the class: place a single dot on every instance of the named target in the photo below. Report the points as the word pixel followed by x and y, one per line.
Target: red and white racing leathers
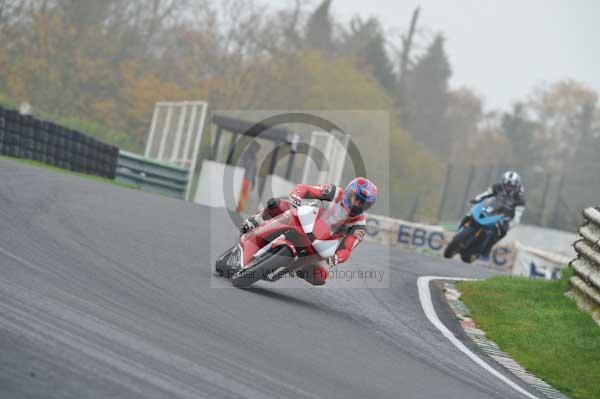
pixel 355 227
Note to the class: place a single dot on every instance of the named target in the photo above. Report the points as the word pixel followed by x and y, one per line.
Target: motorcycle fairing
pixel 307 216
pixel 326 248
pixel 266 233
pixel 325 243
pixel 320 226
pixel 481 214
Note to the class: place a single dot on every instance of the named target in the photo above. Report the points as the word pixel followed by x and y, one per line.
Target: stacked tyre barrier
pixel 586 281
pixel 23 136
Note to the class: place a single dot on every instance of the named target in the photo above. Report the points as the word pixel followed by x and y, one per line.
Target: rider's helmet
pixel 360 195
pixel 511 182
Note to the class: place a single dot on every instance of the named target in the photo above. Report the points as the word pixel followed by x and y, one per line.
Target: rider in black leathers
pixel 510 191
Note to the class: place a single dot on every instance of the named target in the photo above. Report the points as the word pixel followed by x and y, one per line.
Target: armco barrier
pixel 428 239
pixel 152 176
pixel 23 136
pixel 586 281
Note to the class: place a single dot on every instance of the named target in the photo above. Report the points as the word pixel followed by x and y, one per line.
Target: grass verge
pixel 541 329
pixel 42 165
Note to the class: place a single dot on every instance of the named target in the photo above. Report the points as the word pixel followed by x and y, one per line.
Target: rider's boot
pixel 487 245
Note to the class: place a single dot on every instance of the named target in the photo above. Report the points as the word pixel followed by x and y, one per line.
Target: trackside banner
pixel 427 239
pixel 535 263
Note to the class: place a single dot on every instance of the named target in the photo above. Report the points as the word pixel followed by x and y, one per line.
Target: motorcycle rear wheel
pixel 261 267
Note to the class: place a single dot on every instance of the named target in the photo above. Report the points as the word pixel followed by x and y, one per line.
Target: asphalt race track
pixel 105 292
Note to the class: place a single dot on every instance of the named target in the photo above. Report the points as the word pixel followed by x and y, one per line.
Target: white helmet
pixel 511 181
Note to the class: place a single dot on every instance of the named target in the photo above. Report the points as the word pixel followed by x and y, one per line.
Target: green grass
pixel 42 165
pixel 541 328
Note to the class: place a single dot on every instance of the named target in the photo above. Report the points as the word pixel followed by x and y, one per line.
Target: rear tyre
pixel 260 268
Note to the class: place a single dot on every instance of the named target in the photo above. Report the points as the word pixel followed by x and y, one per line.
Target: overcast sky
pixel 499 48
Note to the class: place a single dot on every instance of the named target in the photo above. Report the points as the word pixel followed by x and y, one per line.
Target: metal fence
pixel 586 281
pixel 176 134
pixel 152 176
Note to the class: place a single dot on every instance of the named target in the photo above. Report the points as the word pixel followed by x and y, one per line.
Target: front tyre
pixel 454 246
pixel 260 268
pixel 469 258
pixel 225 266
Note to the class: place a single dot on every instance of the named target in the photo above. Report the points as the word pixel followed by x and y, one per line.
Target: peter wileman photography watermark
pixel 364 274
pixel 257 158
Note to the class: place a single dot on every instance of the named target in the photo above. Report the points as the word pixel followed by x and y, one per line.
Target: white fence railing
pixel 587 264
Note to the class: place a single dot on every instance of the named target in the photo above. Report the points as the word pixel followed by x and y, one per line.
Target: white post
pixel 179 133
pixel 190 132
pixel 152 130
pixel 329 158
pixel 163 140
pixel 339 157
pixel 308 159
pixel 196 149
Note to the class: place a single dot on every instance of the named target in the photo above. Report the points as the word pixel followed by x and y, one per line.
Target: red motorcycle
pixel 298 238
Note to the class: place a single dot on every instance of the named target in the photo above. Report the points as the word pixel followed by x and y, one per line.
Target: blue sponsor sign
pixel 372 226
pixel 421 238
pixel 429 240
pixel 535 271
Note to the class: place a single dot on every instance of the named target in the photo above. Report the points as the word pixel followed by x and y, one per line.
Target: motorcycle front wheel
pixel 222 268
pixel 454 246
pixel 262 267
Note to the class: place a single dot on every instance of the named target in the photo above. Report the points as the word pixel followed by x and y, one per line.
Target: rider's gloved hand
pixel 333 261
pixel 295 200
pixel 473 201
pixel 247 225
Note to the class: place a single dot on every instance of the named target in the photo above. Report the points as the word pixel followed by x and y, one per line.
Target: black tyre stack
pixel 11 137
pixel 23 136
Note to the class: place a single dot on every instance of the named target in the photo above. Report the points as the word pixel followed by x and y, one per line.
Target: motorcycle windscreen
pixel 329 221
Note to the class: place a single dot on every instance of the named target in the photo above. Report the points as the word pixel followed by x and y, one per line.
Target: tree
pixel 310 80
pixel 100 67
pixel 319 29
pixel 427 98
pixel 581 173
pixel 463 116
pixel 552 135
pixel 520 132
pixel 366 42
pixel 558 110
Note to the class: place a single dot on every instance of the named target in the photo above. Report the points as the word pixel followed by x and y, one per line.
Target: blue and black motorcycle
pixel 475 228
